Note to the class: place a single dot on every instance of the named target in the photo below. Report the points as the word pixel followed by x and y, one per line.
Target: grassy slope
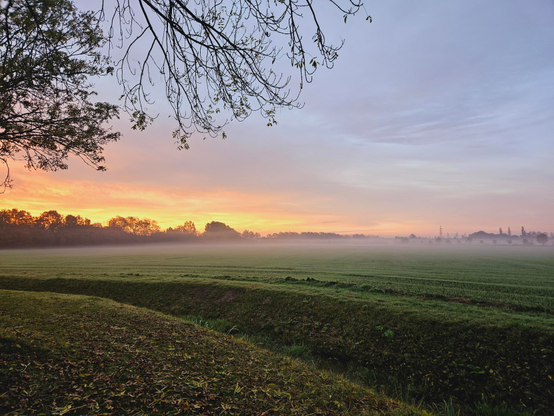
pixel 436 357
pixel 63 354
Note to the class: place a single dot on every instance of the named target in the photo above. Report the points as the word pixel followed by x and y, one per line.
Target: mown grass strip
pixel 64 354
pixel 433 356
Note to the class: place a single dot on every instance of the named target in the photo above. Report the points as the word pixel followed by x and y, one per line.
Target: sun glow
pixel 37 192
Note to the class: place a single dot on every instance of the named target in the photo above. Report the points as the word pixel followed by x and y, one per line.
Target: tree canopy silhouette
pixel 219 230
pixel 542 238
pixel 134 225
pixel 48 49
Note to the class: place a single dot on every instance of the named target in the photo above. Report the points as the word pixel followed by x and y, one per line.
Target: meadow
pixel 517 276
pixel 447 324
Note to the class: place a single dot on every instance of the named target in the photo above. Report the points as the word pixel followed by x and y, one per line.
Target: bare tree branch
pixel 216 57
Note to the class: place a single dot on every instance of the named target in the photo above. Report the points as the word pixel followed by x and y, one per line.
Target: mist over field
pixel 19 228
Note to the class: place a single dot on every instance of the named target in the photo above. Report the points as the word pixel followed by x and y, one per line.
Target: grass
pixel 443 326
pixel 511 275
pixel 66 354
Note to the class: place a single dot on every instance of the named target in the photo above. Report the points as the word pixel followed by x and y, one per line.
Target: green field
pixel 428 325
pixel 516 276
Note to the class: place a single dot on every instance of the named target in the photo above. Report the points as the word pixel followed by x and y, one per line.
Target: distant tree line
pixel 21 229
pixel 526 238
pixel 315 236
pixel 18 228
pixel 482 237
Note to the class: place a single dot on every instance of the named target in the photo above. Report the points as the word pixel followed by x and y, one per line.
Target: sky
pixel 435 114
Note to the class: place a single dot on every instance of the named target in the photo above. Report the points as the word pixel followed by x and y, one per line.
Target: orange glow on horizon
pixel 267 213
